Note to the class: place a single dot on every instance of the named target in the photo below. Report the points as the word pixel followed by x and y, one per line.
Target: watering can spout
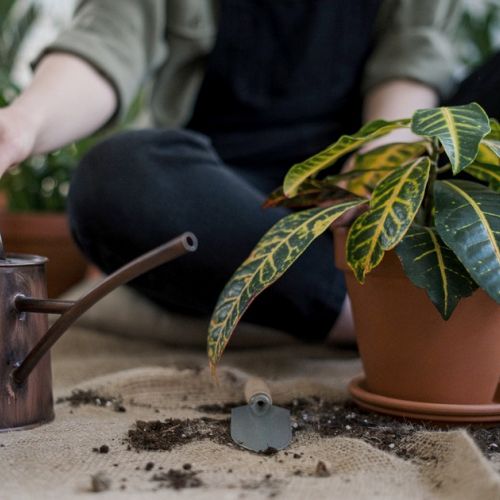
pixel 70 311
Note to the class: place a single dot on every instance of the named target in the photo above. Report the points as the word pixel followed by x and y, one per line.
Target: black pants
pixel 141 188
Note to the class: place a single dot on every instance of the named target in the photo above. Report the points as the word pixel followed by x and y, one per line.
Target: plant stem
pixel 444 168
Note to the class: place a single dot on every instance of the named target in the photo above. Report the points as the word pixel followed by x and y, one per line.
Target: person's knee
pixel 96 169
pixel 120 170
pixel 124 156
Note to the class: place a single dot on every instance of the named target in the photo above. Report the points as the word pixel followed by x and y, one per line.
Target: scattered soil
pixel 267 482
pixel 178 479
pixel 330 419
pixel 174 432
pixel 90 397
pixel 384 432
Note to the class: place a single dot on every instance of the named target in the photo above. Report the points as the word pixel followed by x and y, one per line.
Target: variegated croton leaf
pixel 492 140
pixel 278 249
pixel 487 173
pixel 380 162
pixel 431 265
pixel 346 143
pixel 468 220
pixel 459 129
pixel 310 194
pixel 393 206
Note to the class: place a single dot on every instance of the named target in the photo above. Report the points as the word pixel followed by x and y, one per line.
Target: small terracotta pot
pixel 409 352
pixel 45 234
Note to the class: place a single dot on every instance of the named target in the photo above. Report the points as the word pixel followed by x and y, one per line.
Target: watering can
pixel 25 340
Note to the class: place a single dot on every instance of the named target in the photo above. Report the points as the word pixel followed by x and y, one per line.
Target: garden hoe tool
pixel 259 426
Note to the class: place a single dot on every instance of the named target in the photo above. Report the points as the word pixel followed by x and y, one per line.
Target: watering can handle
pixel 2 250
pixel 177 247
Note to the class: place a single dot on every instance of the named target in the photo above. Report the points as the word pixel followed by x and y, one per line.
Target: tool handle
pixel 256 386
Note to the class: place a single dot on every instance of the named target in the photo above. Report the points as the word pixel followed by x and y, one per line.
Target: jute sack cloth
pixel 158 381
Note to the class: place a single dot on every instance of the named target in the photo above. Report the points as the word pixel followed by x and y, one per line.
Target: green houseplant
pixel 436 202
pixel 34 192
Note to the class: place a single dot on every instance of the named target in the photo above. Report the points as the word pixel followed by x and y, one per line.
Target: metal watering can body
pixel 25 338
pixel 30 404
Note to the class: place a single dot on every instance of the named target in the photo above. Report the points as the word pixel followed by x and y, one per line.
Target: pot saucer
pixel 459 413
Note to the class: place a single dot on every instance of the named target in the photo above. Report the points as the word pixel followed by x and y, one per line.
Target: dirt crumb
pixel 99 482
pixel 269 451
pixel 322 469
pixel 104 448
pixel 178 479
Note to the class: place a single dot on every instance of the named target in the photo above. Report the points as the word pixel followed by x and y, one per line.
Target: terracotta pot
pixel 45 234
pixel 409 352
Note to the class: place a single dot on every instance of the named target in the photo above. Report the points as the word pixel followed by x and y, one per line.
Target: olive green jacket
pixel 131 41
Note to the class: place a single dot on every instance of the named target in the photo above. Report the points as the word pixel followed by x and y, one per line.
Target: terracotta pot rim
pixel 402 407
pixel 357 387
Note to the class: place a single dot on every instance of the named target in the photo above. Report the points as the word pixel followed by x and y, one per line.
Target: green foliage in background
pixel 40 183
pixel 480 31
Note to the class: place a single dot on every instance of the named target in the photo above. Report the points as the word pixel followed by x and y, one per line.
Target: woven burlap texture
pixel 157 381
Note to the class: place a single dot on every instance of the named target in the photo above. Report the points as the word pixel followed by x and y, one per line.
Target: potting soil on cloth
pixel 139 419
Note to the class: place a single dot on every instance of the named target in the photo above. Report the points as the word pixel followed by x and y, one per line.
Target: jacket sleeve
pixel 415 39
pixel 124 40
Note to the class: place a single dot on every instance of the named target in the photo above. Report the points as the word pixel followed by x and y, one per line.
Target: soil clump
pixel 178 479
pixel 79 397
pixel 173 432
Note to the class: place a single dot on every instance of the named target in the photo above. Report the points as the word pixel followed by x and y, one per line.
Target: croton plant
pixel 435 201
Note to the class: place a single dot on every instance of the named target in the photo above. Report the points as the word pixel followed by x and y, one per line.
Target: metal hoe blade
pixel 260 426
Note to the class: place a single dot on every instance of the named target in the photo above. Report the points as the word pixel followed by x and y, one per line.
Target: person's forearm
pixel 396 99
pixel 67 100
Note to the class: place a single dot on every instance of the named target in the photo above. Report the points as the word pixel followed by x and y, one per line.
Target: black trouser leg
pixel 142 188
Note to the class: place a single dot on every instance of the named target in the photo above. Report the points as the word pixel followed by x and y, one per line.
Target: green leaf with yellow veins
pixel 380 162
pixel 487 173
pixel 345 144
pixel 468 220
pixel 492 140
pixel 393 207
pixel 459 129
pixel 278 249
pixel 431 265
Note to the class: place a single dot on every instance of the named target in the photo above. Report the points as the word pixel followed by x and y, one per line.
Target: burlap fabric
pixel 157 381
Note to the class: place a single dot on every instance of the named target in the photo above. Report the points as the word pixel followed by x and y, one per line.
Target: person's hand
pixel 398 135
pixel 17 137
